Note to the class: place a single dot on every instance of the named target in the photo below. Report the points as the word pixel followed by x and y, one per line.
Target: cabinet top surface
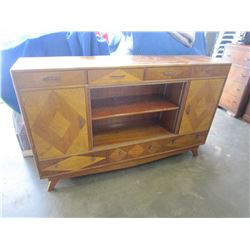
pixel 93 62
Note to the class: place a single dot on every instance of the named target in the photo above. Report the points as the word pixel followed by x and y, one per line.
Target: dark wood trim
pixel 52 184
pixel 194 151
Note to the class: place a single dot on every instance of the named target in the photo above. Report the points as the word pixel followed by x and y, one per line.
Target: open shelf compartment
pixel 120 130
pixel 124 106
pixel 121 114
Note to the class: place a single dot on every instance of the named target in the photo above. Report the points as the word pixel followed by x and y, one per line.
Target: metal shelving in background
pixel 224 38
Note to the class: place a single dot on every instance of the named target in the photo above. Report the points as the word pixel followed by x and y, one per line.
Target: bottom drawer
pixel 78 163
pixel 50 168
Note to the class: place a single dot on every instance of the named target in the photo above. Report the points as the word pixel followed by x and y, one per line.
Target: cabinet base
pixel 118 165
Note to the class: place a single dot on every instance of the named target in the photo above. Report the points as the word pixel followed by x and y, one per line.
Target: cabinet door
pixel 57 121
pixel 201 104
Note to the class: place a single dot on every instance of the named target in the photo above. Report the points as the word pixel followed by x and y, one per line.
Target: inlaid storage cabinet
pixel 86 115
pixel 237 88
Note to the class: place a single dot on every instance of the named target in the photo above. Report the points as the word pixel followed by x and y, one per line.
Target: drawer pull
pixel 81 122
pixel 169 73
pixel 51 78
pixel 238 89
pixel 117 76
pixel 242 75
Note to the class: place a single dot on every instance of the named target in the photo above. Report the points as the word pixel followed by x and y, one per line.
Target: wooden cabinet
pixel 237 88
pixel 88 115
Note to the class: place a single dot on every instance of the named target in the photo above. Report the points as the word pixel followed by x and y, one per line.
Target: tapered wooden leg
pixel 194 152
pixel 52 184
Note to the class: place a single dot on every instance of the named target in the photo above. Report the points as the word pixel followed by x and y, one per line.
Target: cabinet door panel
pixel 57 121
pixel 201 104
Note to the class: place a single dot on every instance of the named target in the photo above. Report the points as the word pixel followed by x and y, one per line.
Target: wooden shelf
pixel 123 106
pixel 138 132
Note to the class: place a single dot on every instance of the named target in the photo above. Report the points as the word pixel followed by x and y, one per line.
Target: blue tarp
pixel 87 44
pixel 162 43
pixel 54 44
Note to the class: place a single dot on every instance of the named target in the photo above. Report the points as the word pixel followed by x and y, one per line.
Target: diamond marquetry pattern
pixel 136 151
pixel 54 123
pixel 115 75
pixel 118 154
pixel 59 125
pixel 153 147
pixel 74 163
pixel 200 105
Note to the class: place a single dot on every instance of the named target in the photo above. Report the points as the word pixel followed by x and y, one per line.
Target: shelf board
pixel 134 133
pixel 124 106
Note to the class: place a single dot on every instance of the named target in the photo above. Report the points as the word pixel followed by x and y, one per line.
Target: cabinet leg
pixel 52 184
pixel 194 152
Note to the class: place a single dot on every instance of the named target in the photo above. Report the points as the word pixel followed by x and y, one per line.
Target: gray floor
pixel 214 184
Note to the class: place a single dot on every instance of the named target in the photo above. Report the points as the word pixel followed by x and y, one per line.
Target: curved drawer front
pixel 41 79
pixel 120 154
pixel 111 76
pixel 155 147
pixel 167 73
pixel 70 164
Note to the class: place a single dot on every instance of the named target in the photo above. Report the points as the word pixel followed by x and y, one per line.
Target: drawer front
pixel 92 160
pixel 156 147
pixel 70 165
pixel 112 76
pixel 237 81
pixel 229 102
pixel 237 56
pixel 165 73
pixel 48 79
pixel 210 71
pixel 187 141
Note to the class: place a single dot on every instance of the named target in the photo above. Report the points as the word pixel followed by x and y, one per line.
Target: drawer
pixel 237 81
pixel 156 147
pixel 237 56
pixel 235 89
pixel 186 141
pixel 112 76
pixel 70 164
pixel 210 71
pixel 165 73
pixel 49 79
pixel 229 102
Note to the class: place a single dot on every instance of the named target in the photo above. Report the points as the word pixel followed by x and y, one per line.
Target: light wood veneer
pixel 87 115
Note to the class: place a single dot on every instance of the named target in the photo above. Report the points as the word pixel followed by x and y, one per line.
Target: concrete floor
pixel 214 184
